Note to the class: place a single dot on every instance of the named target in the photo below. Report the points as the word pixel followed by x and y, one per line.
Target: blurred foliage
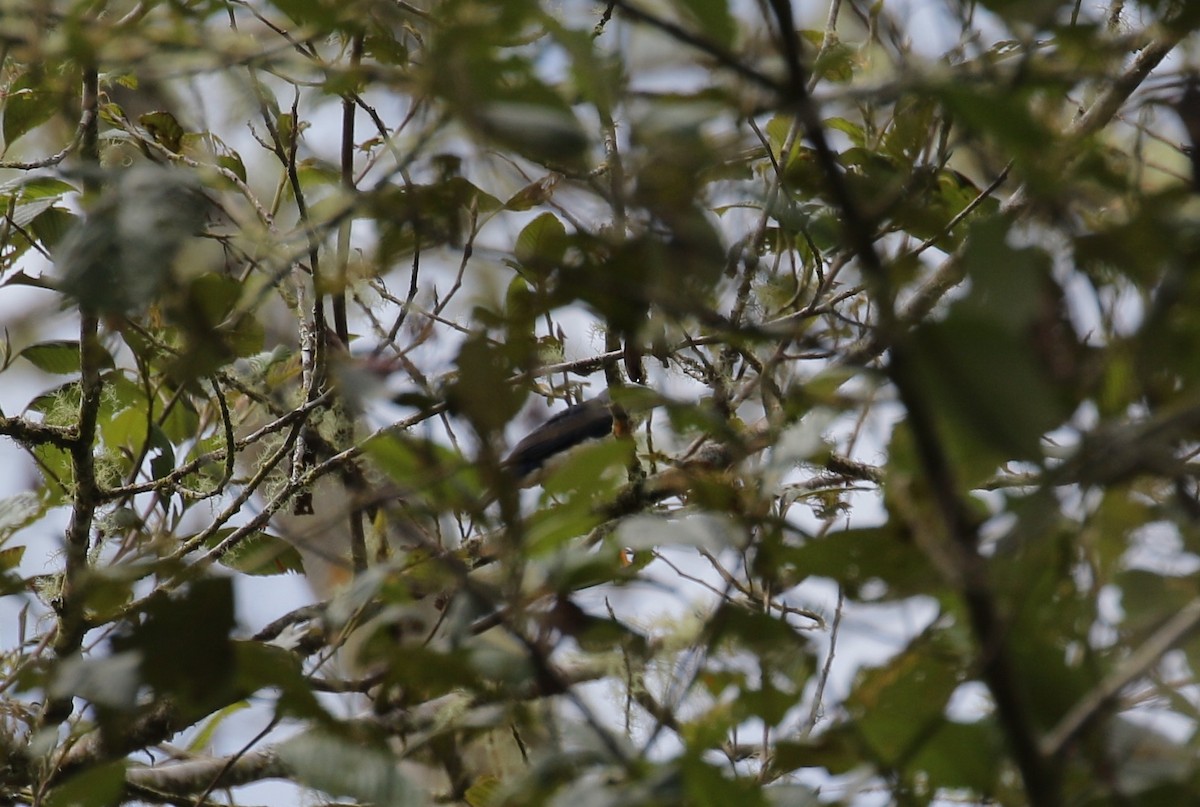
pixel 914 519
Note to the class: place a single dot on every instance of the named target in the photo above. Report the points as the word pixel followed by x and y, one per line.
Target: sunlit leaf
pixel 164 128
pixel 258 554
pixel 10 558
pixel 204 737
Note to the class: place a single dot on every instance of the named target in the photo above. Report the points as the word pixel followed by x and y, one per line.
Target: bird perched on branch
pixel 481 744
pixel 594 419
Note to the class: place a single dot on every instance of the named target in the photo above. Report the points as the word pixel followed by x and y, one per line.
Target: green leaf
pixel 852 130
pixel 120 258
pixel 233 162
pixel 264 666
pixel 1004 114
pixel 425 216
pixel 900 705
pixel 37 188
pixel 913 125
pixel 184 643
pixel 544 133
pixel 258 554
pixel 27 105
pixel 95 786
pixel 550 528
pixel 713 18
pixel 593 469
pixel 52 225
pixel 837 750
pixel 481 391
pixel 10 558
pixel 710 728
pixel 215 295
pixel 574 566
pixel 987 380
pixel 59 357
pixel 426 465
pixel 835 61
pixel 341 766
pixel 706 785
pixel 126 429
pixel 163 461
pixel 200 742
pixel 56 468
pixel 989 367
pixel 382 45
pixel 483 791
pixel 164 128
pixel 19 511
pixel 961 755
pixel 542 242
pixel 764 635
pixel 856 557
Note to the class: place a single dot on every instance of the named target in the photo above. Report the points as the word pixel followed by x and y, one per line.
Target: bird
pixel 577 425
pixel 321 534
pixel 323 537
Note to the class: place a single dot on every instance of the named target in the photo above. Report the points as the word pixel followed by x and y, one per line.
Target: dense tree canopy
pixel 905 288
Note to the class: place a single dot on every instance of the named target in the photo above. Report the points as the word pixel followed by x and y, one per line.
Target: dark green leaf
pixel 261 666
pixel 547 134
pixel 439 471
pixel 184 643
pixel 343 766
pixel 706 785
pixel 542 242
pixel 989 367
pixel 898 707
pixel 835 59
pixel 1001 114
pixel 482 392
pixel 27 105
pixel 100 785
pixel 52 225
pixel 856 557
pixel 119 259
pixel 60 357
pixel 961 756
pixel 837 750
pixel 233 162
pixel 164 128
pixel 713 18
